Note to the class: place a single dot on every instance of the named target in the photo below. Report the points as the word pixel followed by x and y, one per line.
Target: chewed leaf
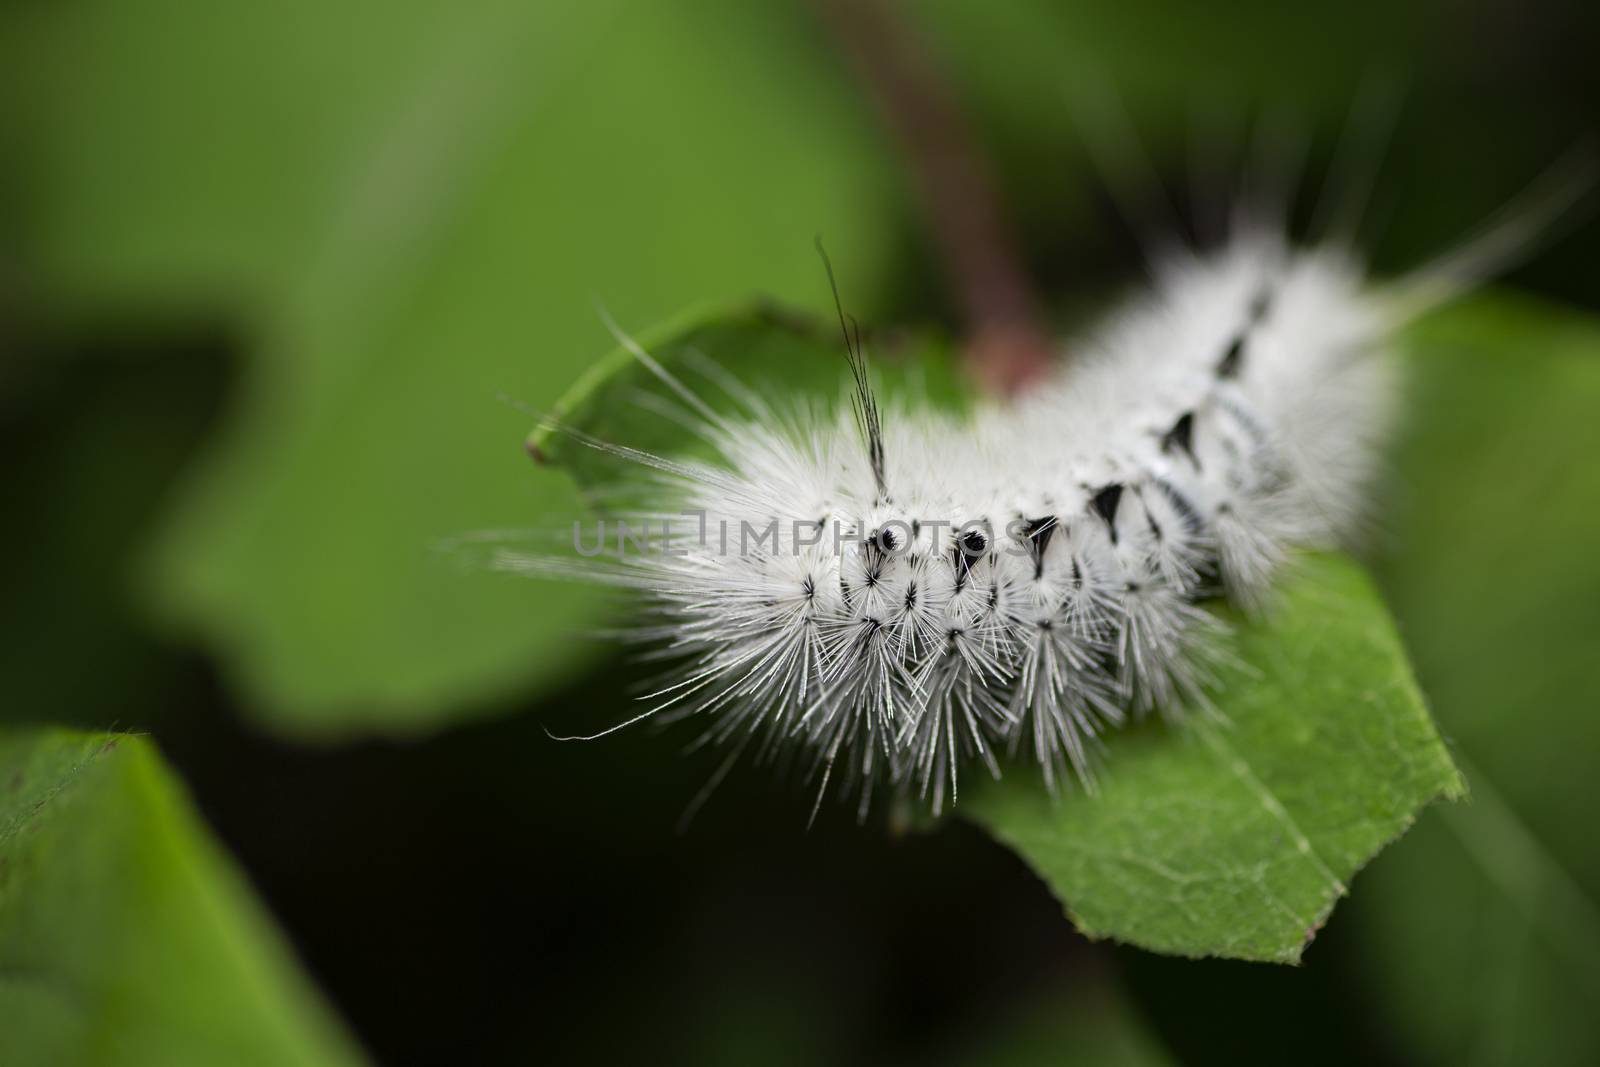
pixel 126 936
pixel 1237 839
pixel 724 354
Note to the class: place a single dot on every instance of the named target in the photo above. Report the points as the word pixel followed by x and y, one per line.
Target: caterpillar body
pixel 925 590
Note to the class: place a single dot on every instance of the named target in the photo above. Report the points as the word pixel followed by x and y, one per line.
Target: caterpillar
pixel 893 595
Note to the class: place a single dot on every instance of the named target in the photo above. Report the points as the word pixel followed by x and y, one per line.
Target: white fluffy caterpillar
pixel 892 594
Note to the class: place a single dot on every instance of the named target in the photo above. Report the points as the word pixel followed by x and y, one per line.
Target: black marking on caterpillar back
pixel 1104 502
pixel 1037 532
pixel 869 418
pixel 1181 438
pixel 970 547
pixel 1246 421
pixel 1180 503
pixel 1228 367
pixel 1260 305
pixel 1150 521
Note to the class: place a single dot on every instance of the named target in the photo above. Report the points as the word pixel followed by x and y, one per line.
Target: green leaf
pixel 1484 932
pixel 767 349
pixel 397 233
pixel 126 935
pixel 1237 839
pixel 89 461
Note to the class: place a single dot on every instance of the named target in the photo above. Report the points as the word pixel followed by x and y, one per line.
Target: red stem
pixel 1007 344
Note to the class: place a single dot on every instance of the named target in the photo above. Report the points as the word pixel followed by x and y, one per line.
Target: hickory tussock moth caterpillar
pixel 905 591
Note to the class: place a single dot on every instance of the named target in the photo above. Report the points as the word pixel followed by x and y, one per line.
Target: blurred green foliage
pixel 1088 1025
pixel 1485 933
pixel 398 243
pixel 126 936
